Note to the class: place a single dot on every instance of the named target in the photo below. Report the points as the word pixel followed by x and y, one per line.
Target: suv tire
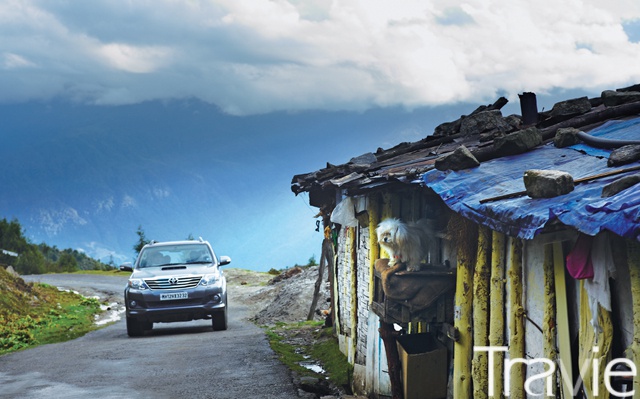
pixel 219 320
pixel 134 327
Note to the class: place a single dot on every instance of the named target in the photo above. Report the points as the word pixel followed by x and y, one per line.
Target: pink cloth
pixel 579 261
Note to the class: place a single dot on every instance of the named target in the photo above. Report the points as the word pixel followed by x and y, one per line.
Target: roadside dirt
pixel 285 298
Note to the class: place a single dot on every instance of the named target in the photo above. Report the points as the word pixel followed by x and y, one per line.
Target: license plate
pixel 174 295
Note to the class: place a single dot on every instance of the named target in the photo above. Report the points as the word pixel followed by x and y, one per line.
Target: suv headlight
pixel 210 280
pixel 138 284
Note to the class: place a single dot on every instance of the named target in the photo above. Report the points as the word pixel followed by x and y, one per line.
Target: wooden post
pixel 374 248
pixel 463 348
pixel 496 322
pixel 481 311
pixel 549 314
pixel 326 250
pixel 633 352
pixel 388 335
pixel 562 316
pixel 516 322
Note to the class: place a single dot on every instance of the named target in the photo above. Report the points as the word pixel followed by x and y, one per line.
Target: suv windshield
pixel 174 255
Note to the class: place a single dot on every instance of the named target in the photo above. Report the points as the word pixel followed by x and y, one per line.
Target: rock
pixel 547 183
pixel 460 159
pixel 447 128
pixel 514 121
pixel 486 121
pixel 624 155
pixel 519 142
pixel 612 98
pixel 619 185
pixel 575 106
pixel 566 137
pixel 364 159
pixel 12 271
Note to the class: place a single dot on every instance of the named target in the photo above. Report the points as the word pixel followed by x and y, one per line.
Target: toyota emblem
pixel 173 280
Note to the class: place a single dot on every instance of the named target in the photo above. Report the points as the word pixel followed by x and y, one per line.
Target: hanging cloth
pixel 579 262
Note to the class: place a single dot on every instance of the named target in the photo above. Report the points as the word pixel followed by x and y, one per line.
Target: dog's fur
pixel 407 243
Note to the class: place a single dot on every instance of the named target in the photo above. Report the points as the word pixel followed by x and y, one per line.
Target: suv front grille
pixel 170 284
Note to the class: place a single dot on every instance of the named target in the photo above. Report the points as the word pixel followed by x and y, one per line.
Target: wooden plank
pixel 562 318
pixel 516 320
pixel 481 309
pixel 549 318
pixel 463 348
pixel 496 298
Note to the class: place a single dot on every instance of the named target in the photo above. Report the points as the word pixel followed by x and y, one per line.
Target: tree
pixel 312 260
pixel 67 262
pixel 142 240
pixel 30 262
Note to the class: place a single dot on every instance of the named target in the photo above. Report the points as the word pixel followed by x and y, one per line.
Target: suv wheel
pixel 219 320
pixel 134 327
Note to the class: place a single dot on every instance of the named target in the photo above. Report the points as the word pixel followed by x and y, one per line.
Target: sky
pixel 294 59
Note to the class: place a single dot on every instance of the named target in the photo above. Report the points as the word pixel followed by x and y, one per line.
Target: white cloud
pixel 53 221
pixel 253 56
pixel 105 205
pixel 15 61
pixel 128 202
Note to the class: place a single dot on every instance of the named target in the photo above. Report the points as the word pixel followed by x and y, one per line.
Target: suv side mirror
pixel 126 267
pixel 224 260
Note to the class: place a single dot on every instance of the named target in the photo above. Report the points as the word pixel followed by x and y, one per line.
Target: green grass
pixel 310 341
pixel 37 314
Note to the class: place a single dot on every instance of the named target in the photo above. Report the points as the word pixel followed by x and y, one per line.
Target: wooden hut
pixel 521 274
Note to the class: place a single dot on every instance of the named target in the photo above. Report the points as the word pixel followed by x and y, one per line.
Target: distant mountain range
pixel 86 177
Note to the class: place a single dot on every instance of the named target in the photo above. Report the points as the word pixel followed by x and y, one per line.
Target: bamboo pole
pixel 496 321
pixel 481 312
pixel 463 348
pixel 562 316
pixel 633 352
pixel 516 321
pixel 374 248
pixel 549 314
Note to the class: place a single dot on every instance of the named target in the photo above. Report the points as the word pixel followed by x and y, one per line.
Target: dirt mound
pixel 285 298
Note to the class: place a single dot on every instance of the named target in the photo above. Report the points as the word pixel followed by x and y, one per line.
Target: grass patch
pixel 36 314
pixel 297 343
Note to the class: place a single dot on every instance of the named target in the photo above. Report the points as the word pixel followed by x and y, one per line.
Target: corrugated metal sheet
pixel 524 217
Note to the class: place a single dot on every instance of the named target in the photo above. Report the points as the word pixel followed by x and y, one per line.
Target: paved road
pixel 174 360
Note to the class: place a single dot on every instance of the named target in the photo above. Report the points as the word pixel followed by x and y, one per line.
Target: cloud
pixel 52 221
pixel 257 56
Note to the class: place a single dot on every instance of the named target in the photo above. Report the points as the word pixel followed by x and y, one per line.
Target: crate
pixel 424 366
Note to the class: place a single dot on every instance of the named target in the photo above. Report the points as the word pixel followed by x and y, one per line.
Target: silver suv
pixel 175 281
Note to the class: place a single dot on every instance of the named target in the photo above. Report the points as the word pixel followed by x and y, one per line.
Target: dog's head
pixel 391 233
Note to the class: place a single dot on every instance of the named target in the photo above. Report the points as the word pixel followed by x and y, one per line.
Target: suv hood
pixel 174 270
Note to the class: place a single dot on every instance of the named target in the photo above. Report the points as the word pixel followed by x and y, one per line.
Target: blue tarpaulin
pixel 583 208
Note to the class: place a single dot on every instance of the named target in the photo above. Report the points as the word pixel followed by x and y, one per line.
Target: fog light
pixel 216 298
pixel 133 304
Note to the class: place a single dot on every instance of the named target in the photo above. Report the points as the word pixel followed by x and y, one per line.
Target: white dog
pixel 407 243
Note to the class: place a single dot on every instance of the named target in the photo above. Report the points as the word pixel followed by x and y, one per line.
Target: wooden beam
pixel 388 335
pixel 633 352
pixel 463 348
pixel 374 247
pixel 562 317
pixel 549 314
pixel 481 311
pixel 496 299
pixel 516 320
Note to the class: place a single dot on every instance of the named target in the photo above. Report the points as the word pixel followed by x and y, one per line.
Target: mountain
pixel 86 177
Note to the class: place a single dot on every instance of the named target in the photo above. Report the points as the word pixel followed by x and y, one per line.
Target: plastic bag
pixel 344 213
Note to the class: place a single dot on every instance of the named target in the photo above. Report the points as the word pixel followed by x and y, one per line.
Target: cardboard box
pixel 424 366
